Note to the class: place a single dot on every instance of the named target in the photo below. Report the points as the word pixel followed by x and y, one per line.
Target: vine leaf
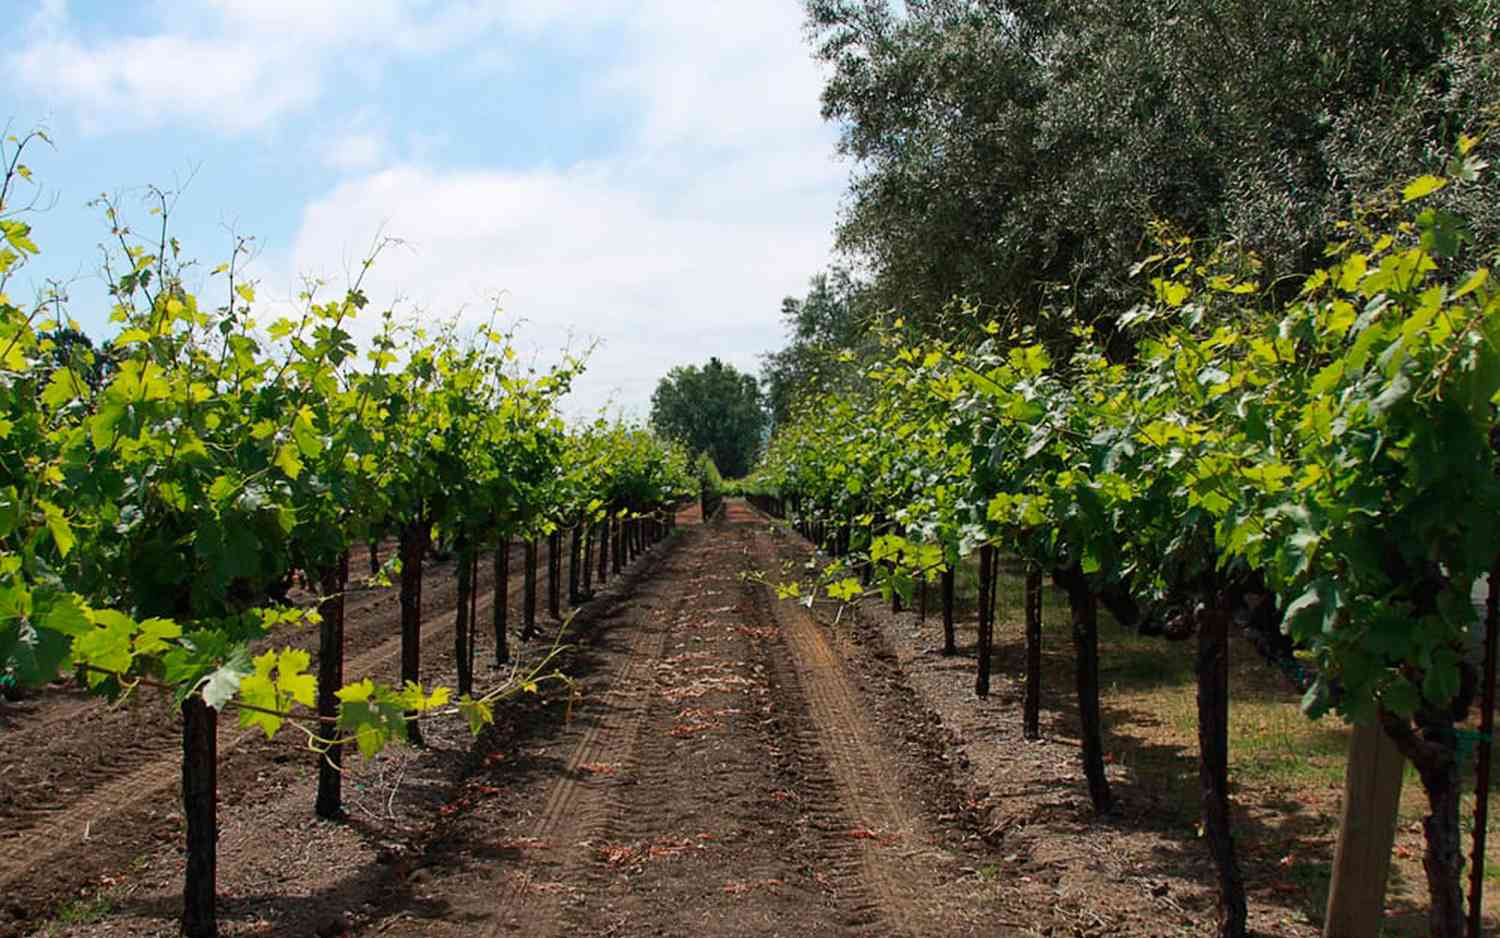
pixel 1422 186
pixel 290 684
pixel 477 712
pixel 106 647
pixel 224 682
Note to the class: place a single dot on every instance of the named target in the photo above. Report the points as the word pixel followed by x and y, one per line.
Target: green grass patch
pixel 88 910
pixel 1128 661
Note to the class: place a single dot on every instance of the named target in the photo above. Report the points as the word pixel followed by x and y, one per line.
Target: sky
pixel 649 177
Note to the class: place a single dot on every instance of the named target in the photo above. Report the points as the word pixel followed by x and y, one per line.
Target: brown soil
pixel 90 814
pixel 723 772
pixel 725 764
pixel 1144 869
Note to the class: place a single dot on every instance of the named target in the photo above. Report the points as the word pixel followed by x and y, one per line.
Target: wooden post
pixel 334 579
pixel 588 559
pixel 986 634
pixel 1482 756
pixel 896 604
pixel 950 640
pixel 1367 832
pixel 473 609
pixel 200 801
pixel 461 621
pixel 554 575
pixel 528 593
pixel 604 551
pixel 575 552
pixel 1213 765
pixel 414 537
pixel 501 611
pixel 1031 717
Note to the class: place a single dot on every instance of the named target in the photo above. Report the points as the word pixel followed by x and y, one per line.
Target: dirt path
pixel 723 765
pixel 860 786
pixel 726 763
pixel 722 773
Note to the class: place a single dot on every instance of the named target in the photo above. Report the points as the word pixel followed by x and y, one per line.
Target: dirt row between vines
pixel 1143 870
pixel 90 821
pixel 718 768
pixel 721 772
pixel 726 763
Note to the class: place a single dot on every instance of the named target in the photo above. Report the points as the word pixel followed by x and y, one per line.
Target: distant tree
pixel 716 410
pixel 69 348
pixel 832 317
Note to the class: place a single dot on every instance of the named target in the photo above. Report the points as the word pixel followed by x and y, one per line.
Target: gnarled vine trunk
pixel 332 581
pixel 414 543
pixel 1432 748
pixel 1031 716
pixel 1213 764
pixel 1085 617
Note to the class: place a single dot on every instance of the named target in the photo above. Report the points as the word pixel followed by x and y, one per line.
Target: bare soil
pixel 724 764
pixel 90 815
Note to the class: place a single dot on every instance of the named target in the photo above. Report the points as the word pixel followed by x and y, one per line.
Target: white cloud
pixel 146 81
pixel 232 65
pixel 679 246
pixel 578 253
pixel 354 150
pixel 714 78
pixel 359 144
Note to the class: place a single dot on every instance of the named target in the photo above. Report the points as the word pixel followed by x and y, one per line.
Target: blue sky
pixel 652 174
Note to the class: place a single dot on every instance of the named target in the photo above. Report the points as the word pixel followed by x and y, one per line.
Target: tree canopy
pixel 828 320
pixel 1018 153
pixel 715 409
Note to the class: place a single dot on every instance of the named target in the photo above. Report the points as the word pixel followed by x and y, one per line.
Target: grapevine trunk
pixel 1213 765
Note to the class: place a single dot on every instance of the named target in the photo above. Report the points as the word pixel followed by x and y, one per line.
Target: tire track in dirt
pixel 136 773
pixel 578 798
pixel 608 739
pixel 701 836
pixel 635 808
pixel 724 778
pixel 669 809
pixel 870 836
pixel 725 775
pixel 609 660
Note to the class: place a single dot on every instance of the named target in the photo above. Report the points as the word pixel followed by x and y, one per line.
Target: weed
pixel 89 910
